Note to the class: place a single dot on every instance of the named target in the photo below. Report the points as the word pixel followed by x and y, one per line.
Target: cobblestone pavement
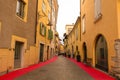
pixel 61 69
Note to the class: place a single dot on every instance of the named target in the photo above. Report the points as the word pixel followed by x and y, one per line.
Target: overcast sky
pixel 68 12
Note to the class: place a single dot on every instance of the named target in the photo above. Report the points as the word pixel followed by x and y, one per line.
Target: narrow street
pixel 60 40
pixel 61 69
pixel 58 68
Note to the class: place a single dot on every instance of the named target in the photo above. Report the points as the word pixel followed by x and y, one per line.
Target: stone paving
pixel 61 69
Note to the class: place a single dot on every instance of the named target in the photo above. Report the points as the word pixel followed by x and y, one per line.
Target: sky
pixel 68 12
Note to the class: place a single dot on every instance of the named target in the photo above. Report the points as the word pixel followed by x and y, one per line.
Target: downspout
pixel 36 21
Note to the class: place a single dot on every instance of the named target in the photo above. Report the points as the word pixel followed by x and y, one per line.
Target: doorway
pixel 85 52
pixel 47 52
pixel 101 53
pixel 41 52
pixel 18 54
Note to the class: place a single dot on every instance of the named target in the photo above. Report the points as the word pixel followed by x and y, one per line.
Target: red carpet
pixel 96 74
pixel 17 73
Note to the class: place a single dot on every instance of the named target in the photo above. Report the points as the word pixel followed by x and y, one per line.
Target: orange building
pixel 100 23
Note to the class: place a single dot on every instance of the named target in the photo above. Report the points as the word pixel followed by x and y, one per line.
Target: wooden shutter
pixel 22 9
pixel 44 31
pixel 40 28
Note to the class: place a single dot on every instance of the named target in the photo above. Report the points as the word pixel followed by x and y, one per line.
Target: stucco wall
pixel 12 24
pixel 107 26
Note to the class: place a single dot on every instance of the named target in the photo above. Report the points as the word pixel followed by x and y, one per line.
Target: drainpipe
pixel 36 21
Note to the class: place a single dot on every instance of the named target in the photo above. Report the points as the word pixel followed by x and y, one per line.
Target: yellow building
pixel 100 23
pixel 73 40
pixel 57 43
pixel 25 34
pixel 44 30
pixel 54 15
pixel 68 28
pixel 61 48
pixel 47 18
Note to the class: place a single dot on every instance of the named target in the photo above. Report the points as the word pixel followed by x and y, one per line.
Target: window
pixel 20 8
pixel 97 9
pixel 42 29
pixel 43 7
pixel 83 24
pixel 50 34
pixel 50 3
pixel 76 33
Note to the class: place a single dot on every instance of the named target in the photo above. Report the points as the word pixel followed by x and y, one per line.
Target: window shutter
pixel 48 34
pixel 40 28
pixel 51 34
pixel 83 24
pixel 97 8
pixel 22 9
pixel 44 31
pixel 18 7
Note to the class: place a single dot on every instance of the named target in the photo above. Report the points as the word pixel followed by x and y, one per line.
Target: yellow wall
pixel 43 17
pixel 107 26
pixel 118 13
pixel 72 41
pixel 6 59
pixel 29 56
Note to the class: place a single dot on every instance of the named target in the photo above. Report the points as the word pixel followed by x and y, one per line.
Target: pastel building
pixel 25 32
pixel 99 30
pixel 46 27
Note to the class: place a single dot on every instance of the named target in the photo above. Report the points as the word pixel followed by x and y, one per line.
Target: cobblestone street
pixel 61 69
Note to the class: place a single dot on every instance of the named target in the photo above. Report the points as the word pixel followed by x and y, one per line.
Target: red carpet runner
pixel 97 75
pixel 17 73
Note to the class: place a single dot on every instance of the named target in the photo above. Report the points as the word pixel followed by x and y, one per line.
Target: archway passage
pixel 101 53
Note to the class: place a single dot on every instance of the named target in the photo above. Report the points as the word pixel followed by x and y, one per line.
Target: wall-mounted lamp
pixel 49 23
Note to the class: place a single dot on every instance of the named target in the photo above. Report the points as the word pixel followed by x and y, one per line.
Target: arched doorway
pixel 73 55
pixel 101 53
pixel 85 52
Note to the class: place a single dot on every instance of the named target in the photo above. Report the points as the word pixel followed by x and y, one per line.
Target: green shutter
pixel 51 34
pixel 44 31
pixel 48 33
pixel 40 28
